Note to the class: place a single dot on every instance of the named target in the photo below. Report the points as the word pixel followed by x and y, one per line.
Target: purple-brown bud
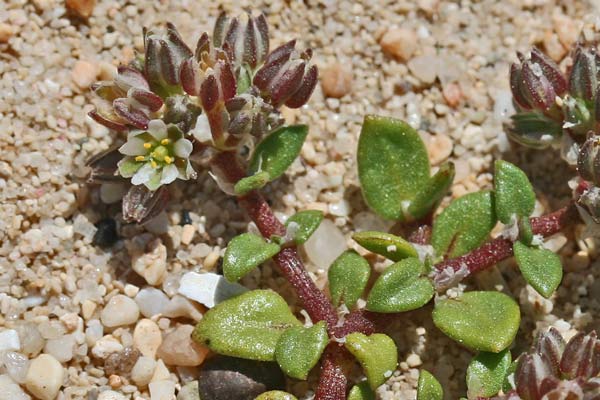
pixel 588 160
pixel 141 204
pixel 245 44
pixel 583 79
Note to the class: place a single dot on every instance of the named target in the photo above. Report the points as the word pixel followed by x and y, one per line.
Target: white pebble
pixel 120 310
pixel 151 301
pixel 143 370
pixel 325 245
pixel 62 348
pixel 147 337
pixel 179 349
pixel 44 377
pixel 162 390
pixel 152 266
pixel 111 395
pixel 16 365
pixel 106 346
pixel 11 390
pixel 209 289
pixel 9 340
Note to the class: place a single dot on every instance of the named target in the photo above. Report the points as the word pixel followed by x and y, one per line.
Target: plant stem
pixel 332 380
pixel 499 249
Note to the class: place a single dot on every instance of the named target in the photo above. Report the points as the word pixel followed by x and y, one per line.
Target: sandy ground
pixel 440 65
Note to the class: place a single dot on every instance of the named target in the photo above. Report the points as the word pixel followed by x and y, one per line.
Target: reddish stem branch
pixel 499 249
pixel 332 381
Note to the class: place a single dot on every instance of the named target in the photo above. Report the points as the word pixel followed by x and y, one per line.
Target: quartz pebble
pixel 151 301
pixel 209 289
pixel 399 42
pixel 336 80
pixel 143 370
pixel 439 148
pixel 62 348
pixel 187 233
pixel 16 365
pixel 44 377
pixel 120 310
pixel 162 390
pixel 153 264
pixel 424 67
pixel 325 245
pixel 147 337
pixel 10 390
pixel 30 338
pixel 106 346
pixel 6 32
pixel 179 349
pixel 84 73
pixel 189 391
pixel 82 8
pixel 9 340
pixel 111 395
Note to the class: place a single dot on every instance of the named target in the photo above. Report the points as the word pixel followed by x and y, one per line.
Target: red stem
pixel 332 381
pixel 499 249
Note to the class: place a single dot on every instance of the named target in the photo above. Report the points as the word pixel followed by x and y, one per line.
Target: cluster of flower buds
pixel 173 102
pixel 559 370
pixel 550 103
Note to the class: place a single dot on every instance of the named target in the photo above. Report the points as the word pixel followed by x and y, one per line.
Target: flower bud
pixel 581 357
pixel 583 79
pixel 588 160
pixel 245 45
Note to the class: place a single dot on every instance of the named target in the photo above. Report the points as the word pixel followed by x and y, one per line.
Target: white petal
pixel 157 129
pixel 202 129
pixel 169 174
pixel 143 175
pixel 133 147
pixel 183 148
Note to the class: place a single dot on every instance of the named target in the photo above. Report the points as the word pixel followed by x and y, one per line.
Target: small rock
pixel 82 8
pixel 84 73
pixel 179 306
pixel 400 43
pixel 162 390
pixel 553 47
pixel 11 390
pixel 9 340
pixel 187 233
pixel 452 94
pixel 189 391
pixel 153 264
pixel 186 219
pixel 161 372
pixel 6 32
pixel 16 365
pixel 439 148
pixel 147 337
pixel 336 81
pixel 413 360
pixel 106 235
pixel 566 29
pixel 31 339
pixel 111 395
pixel 122 362
pixel 120 310
pixel 152 301
pixel 143 370
pixel 245 379
pixel 115 381
pixel 70 321
pixel 325 244
pixel 424 68
pixel 44 377
pixel 62 348
pixel 87 309
pixel 209 289
pixel 179 349
pixel 106 346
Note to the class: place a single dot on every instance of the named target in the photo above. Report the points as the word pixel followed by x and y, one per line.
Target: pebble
pixel 120 310
pixel 179 349
pixel 452 94
pixel 566 29
pixel 325 245
pixel 162 390
pixel 147 337
pixel 122 362
pixel 44 377
pixel 187 233
pixel 11 390
pixel 400 43
pixel 111 395
pixel 413 360
pixel 439 148
pixel 189 391
pixel 61 348
pixel 161 372
pixel 106 346
pixel 245 379
pixel 179 306
pixel 152 266
pixel 6 32
pixel 336 80
pixel 87 309
pixel 151 301
pixel 106 235
pixel 208 288
pixel 9 340
pixel 16 365
pixel 82 8
pixel 84 73
pixel 553 47
pixel 30 338
pixel 424 68
pixel 143 370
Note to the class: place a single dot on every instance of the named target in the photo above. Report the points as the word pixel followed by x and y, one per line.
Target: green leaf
pixel 244 253
pixel 362 391
pixel 434 191
pixel 514 193
pixel 306 222
pixel 390 246
pixel 276 395
pixel 484 321
pixel 428 388
pixel 541 268
pixel 299 349
pixel 400 288
pixel 393 165
pixel 509 377
pixel 377 354
pixel 278 150
pixel 253 182
pixel 486 373
pixel 464 225
pixel 247 326
pixel 348 277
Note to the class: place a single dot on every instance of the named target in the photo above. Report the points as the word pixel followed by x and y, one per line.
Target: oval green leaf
pixel 390 246
pixel 486 373
pixel 362 391
pixel 244 253
pixel 278 150
pixel 377 354
pixel 428 388
pixel 348 277
pixel 393 165
pixel 306 223
pixel 253 182
pixel 541 268
pixel 484 321
pixel 464 225
pixel 400 288
pixel 276 395
pixel 299 349
pixel 434 191
pixel 247 326
pixel 514 193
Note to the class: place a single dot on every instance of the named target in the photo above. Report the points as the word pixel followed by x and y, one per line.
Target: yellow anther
pixel 139 158
pixel 154 164
pixel 147 145
pixel 168 160
pixel 165 142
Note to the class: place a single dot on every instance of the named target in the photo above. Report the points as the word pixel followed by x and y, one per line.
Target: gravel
pixel 440 65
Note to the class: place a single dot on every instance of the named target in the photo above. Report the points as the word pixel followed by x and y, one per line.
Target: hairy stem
pixel 499 249
pixel 333 381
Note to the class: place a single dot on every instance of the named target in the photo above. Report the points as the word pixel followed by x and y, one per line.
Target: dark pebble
pixel 106 235
pixel 121 363
pixel 229 378
pixel 185 218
